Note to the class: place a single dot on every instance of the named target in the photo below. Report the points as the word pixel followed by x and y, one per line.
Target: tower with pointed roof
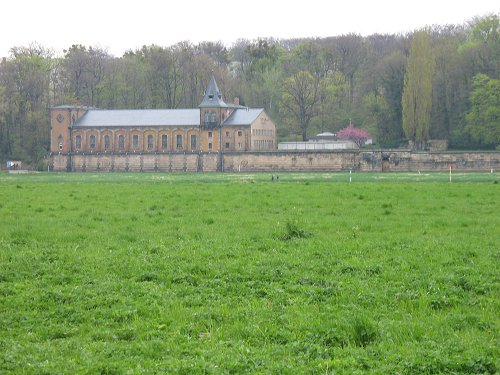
pixel 213 113
pixel 213 109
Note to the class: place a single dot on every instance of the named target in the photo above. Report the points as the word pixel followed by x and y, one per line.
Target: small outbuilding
pixel 14 165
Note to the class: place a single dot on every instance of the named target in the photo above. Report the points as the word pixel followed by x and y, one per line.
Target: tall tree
pixel 264 54
pixel 240 57
pixel 350 53
pixel 382 103
pixel 216 50
pixel 308 55
pixel 334 91
pixel 301 94
pixel 26 81
pixel 483 120
pixel 86 70
pixel 4 126
pixel 75 66
pixel 417 92
pixel 448 92
pixel 485 34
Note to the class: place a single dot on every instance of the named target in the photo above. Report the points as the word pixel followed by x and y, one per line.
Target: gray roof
pixel 140 117
pixel 159 117
pixel 213 96
pixel 72 107
pixel 243 116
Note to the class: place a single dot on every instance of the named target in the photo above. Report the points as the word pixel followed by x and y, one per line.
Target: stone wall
pixel 171 162
pixel 276 161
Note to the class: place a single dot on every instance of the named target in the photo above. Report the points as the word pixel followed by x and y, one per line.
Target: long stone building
pixel 216 136
pixel 215 126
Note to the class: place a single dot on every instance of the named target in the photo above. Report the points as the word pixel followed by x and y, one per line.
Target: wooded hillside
pixel 306 85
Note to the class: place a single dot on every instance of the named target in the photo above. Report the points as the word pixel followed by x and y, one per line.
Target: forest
pixel 306 85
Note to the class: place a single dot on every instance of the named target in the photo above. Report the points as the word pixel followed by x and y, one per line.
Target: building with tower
pixel 214 127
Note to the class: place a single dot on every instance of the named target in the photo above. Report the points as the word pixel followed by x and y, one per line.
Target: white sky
pixel 120 25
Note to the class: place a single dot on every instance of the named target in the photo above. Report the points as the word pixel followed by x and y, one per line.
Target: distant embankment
pixel 300 161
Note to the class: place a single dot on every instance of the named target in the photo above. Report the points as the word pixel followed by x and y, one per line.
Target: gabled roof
pixel 243 116
pixel 140 117
pixel 213 96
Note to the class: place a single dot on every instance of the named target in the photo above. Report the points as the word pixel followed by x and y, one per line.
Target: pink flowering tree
pixel 358 136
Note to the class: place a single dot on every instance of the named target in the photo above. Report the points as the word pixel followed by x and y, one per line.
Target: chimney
pixel 236 100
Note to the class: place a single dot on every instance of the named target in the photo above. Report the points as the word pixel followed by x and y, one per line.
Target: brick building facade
pixel 212 127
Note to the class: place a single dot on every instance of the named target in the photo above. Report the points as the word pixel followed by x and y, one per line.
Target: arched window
pixel 164 142
pixel 92 141
pixel 78 142
pixel 121 142
pixel 179 141
pixel 193 142
pixel 107 143
pixel 135 141
pixel 150 142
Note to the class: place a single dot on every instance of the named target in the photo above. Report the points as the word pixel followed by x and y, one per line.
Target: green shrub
pixel 365 331
pixel 294 230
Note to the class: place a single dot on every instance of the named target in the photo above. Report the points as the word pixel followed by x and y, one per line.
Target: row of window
pixel 135 142
pixel 266 132
pixel 135 146
pixel 228 134
pixel 263 145
pixel 150 141
pixel 210 117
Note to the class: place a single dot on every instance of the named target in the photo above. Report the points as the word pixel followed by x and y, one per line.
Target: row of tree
pixel 441 82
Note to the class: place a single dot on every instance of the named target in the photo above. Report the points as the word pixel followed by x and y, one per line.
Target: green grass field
pixel 234 273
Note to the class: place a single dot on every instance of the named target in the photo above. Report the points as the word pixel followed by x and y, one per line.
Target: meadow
pixel 236 273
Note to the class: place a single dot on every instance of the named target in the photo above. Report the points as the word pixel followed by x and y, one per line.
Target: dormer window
pixel 210 96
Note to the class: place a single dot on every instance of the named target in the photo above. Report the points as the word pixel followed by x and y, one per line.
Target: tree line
pixel 441 82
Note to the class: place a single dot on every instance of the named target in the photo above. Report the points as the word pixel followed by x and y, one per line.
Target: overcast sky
pixel 121 25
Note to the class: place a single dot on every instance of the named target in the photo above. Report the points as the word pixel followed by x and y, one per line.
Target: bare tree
pixel 301 94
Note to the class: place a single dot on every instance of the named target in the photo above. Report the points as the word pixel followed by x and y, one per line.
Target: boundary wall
pixel 280 161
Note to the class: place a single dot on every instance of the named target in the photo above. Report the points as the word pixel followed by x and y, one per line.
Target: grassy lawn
pixel 234 273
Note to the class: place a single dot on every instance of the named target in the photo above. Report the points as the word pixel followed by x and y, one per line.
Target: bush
pixel 365 332
pixel 41 165
pixel 293 230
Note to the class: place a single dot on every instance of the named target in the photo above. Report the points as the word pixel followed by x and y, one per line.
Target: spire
pixel 213 96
